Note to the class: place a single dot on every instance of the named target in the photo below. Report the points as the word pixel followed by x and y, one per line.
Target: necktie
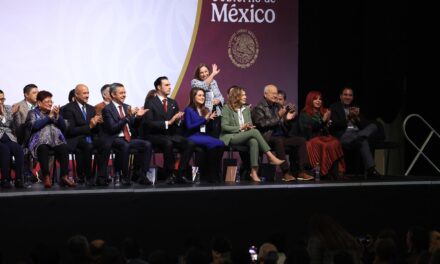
pixel 88 138
pixel 125 129
pixel 32 107
pixel 165 105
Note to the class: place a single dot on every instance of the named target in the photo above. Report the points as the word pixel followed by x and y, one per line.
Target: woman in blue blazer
pixel 197 119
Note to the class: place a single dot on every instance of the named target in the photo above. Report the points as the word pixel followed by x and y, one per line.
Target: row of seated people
pixel 113 124
pixel 110 125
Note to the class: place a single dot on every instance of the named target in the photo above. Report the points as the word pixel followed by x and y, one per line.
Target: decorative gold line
pixel 190 50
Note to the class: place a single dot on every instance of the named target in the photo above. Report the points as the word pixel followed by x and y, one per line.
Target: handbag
pixel 230 169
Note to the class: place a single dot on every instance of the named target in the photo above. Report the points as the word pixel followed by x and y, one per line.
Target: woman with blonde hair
pixel 237 129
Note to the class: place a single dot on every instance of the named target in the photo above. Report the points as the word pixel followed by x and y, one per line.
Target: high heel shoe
pixel 276 161
pixel 47 182
pixel 255 178
pixel 67 181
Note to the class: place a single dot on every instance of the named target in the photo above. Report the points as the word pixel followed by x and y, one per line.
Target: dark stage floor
pixel 37 189
pixel 165 217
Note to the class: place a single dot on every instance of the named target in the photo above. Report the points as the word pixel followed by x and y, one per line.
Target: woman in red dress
pixel 322 148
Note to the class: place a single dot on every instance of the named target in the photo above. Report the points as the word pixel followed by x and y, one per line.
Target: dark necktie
pixel 125 129
pixel 88 138
pixel 165 105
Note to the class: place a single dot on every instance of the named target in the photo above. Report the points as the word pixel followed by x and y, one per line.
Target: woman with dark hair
pixel 328 239
pixel 9 146
pixel 197 117
pixel 204 78
pixel 237 129
pixel 323 149
pixel 46 126
pixel 151 94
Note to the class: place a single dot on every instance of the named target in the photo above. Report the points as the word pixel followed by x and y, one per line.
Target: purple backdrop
pixel 277 38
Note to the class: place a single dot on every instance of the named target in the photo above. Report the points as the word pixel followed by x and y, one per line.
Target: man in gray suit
pixel 29 102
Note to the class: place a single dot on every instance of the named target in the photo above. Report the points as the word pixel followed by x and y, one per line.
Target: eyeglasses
pixel 47 101
pixel 2 99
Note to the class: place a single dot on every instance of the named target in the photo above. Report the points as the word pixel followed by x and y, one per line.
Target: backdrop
pixel 57 44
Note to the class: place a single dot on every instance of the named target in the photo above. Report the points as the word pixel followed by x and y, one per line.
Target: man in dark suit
pixel 162 128
pixel 353 130
pixel 120 125
pixel 82 124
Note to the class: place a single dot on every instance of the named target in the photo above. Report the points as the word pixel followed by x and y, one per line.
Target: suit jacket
pixel 340 122
pixel 113 123
pixel 19 120
pixel 5 128
pixel 230 124
pixel 154 120
pixel 78 127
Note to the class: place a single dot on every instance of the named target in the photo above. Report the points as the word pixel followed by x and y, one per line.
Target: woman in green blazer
pixel 237 129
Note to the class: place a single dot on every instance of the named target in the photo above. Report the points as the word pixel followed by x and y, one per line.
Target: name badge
pixel 203 129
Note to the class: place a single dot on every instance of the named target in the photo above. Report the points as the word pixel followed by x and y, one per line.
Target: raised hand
pixel 282 111
pixel 141 111
pixel 133 110
pixel 215 69
pixel 177 116
pixel 55 112
pixel 211 116
pixel 15 108
pixel 290 115
pixel 326 116
pixel 97 119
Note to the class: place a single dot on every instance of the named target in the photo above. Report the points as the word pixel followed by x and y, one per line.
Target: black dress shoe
pixel 90 183
pixel 101 181
pixel 20 185
pixel 126 181
pixel 183 180
pixel 6 184
pixel 372 173
pixel 144 180
pixel 81 180
pixel 171 179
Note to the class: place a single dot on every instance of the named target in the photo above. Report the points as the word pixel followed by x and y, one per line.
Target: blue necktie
pixel 88 138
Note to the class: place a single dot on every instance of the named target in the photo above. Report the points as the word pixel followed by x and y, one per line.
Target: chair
pixel 386 146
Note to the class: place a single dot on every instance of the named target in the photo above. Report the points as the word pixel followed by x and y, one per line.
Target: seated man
pixel 29 102
pixel 163 129
pixel 273 119
pixel 119 128
pixel 82 127
pixel 353 130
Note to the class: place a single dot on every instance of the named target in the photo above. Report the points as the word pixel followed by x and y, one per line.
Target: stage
pixel 167 217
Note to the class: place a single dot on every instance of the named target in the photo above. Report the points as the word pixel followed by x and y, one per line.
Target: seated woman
pixel 197 117
pixel 46 126
pixel 323 149
pixel 9 146
pixel 237 129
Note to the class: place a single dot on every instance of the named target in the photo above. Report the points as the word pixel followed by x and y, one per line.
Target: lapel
pixel 24 108
pixel 341 110
pixel 236 120
pixel 79 110
pixel 159 106
pixel 114 112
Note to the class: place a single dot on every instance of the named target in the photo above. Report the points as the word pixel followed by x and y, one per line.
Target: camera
pixel 290 108
pixel 253 253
